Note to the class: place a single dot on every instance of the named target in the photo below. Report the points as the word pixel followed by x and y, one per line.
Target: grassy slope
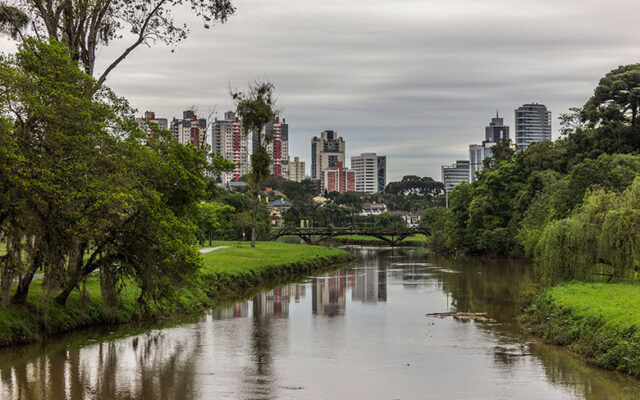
pixel 598 320
pixel 415 240
pixel 227 274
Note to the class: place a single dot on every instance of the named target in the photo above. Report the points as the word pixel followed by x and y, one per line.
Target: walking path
pixel 210 249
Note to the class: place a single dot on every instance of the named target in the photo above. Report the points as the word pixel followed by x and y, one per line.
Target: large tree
pixel 86 25
pixel 81 192
pixel 255 107
pixel 617 97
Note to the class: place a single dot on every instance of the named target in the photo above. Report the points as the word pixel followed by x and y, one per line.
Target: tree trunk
pixel 109 293
pixel 66 292
pixel 254 221
pixel 20 296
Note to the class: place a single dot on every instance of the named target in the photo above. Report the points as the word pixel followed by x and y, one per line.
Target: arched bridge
pixel 392 236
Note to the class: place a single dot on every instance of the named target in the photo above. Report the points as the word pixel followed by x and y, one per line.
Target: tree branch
pixel 138 42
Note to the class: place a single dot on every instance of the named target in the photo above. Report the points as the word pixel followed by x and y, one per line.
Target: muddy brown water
pixel 357 333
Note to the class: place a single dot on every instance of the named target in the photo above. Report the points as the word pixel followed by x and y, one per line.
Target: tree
pixel 412 185
pixel 255 108
pixel 413 193
pixel 387 220
pixel 616 98
pixel 84 26
pixel 84 193
pixel 501 151
pixel 216 221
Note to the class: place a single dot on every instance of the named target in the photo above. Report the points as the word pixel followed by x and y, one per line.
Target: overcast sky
pixel 415 80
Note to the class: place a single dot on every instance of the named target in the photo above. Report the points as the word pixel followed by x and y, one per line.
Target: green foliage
pixel 599 241
pixel 217 221
pixel 413 193
pixel 255 108
pixel 599 321
pixel 388 220
pixel 85 193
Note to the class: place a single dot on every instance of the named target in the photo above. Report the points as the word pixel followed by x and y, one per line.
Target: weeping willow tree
pixel 600 241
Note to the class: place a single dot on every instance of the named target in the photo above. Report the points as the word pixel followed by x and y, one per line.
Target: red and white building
pixel 339 179
pixel 228 139
pixel 190 129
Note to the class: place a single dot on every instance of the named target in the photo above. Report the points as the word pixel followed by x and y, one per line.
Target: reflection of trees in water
pixel 491 286
pixel 258 379
pixel 144 367
pixel 565 369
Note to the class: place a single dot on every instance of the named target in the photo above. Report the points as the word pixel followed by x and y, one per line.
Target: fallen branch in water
pixel 463 315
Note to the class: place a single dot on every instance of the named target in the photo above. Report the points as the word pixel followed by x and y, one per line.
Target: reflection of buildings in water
pixel 238 310
pixel 370 284
pixel 270 303
pixel 300 292
pixel 273 302
pixel 328 297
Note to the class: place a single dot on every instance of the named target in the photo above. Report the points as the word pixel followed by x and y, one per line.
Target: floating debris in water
pixel 462 315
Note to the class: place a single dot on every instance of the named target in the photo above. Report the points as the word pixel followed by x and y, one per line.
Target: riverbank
pixel 362 240
pixel 600 321
pixel 227 273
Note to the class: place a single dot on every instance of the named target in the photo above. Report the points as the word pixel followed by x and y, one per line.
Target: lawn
pixel 601 321
pixel 240 257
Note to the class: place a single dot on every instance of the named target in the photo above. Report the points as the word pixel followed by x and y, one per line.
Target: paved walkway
pixel 210 249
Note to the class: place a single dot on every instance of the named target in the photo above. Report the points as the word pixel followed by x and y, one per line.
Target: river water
pixel 357 333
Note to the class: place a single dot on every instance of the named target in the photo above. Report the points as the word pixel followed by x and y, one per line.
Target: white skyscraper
pixel 370 172
pixel 533 124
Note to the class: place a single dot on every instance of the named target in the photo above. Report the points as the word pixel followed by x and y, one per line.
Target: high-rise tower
pixel 533 124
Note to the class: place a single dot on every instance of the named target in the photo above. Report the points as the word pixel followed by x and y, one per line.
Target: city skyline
pixel 403 90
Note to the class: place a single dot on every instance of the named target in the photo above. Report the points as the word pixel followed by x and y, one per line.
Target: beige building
pixel 327 151
pixel 296 170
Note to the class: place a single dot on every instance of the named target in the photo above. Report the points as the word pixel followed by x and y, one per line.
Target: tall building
pixel 296 170
pixel 190 129
pixel 453 175
pixel 278 147
pixel 228 139
pixel 495 132
pixel 370 172
pixel 150 118
pixel 339 179
pixel 533 124
pixel 326 151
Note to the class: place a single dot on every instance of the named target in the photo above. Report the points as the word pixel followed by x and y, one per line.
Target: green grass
pixel 240 258
pixel 598 320
pixel 227 274
pixel 415 240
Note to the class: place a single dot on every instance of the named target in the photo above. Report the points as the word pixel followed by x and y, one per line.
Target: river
pixel 357 333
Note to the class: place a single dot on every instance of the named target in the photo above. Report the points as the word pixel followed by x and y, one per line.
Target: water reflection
pixel 360 332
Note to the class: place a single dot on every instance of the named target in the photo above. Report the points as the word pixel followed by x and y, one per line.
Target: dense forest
pixel 569 204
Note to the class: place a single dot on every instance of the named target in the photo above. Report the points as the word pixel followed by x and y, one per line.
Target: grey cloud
pixel 415 80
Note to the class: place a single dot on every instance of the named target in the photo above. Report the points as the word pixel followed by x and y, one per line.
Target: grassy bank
pixel 597 320
pixel 231 273
pixel 415 240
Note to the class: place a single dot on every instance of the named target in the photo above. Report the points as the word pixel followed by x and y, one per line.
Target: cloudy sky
pixel 416 80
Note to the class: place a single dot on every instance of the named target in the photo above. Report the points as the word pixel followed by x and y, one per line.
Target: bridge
pixel 392 236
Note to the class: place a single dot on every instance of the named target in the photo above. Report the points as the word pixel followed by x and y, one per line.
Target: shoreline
pixel 217 283
pixel 598 321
